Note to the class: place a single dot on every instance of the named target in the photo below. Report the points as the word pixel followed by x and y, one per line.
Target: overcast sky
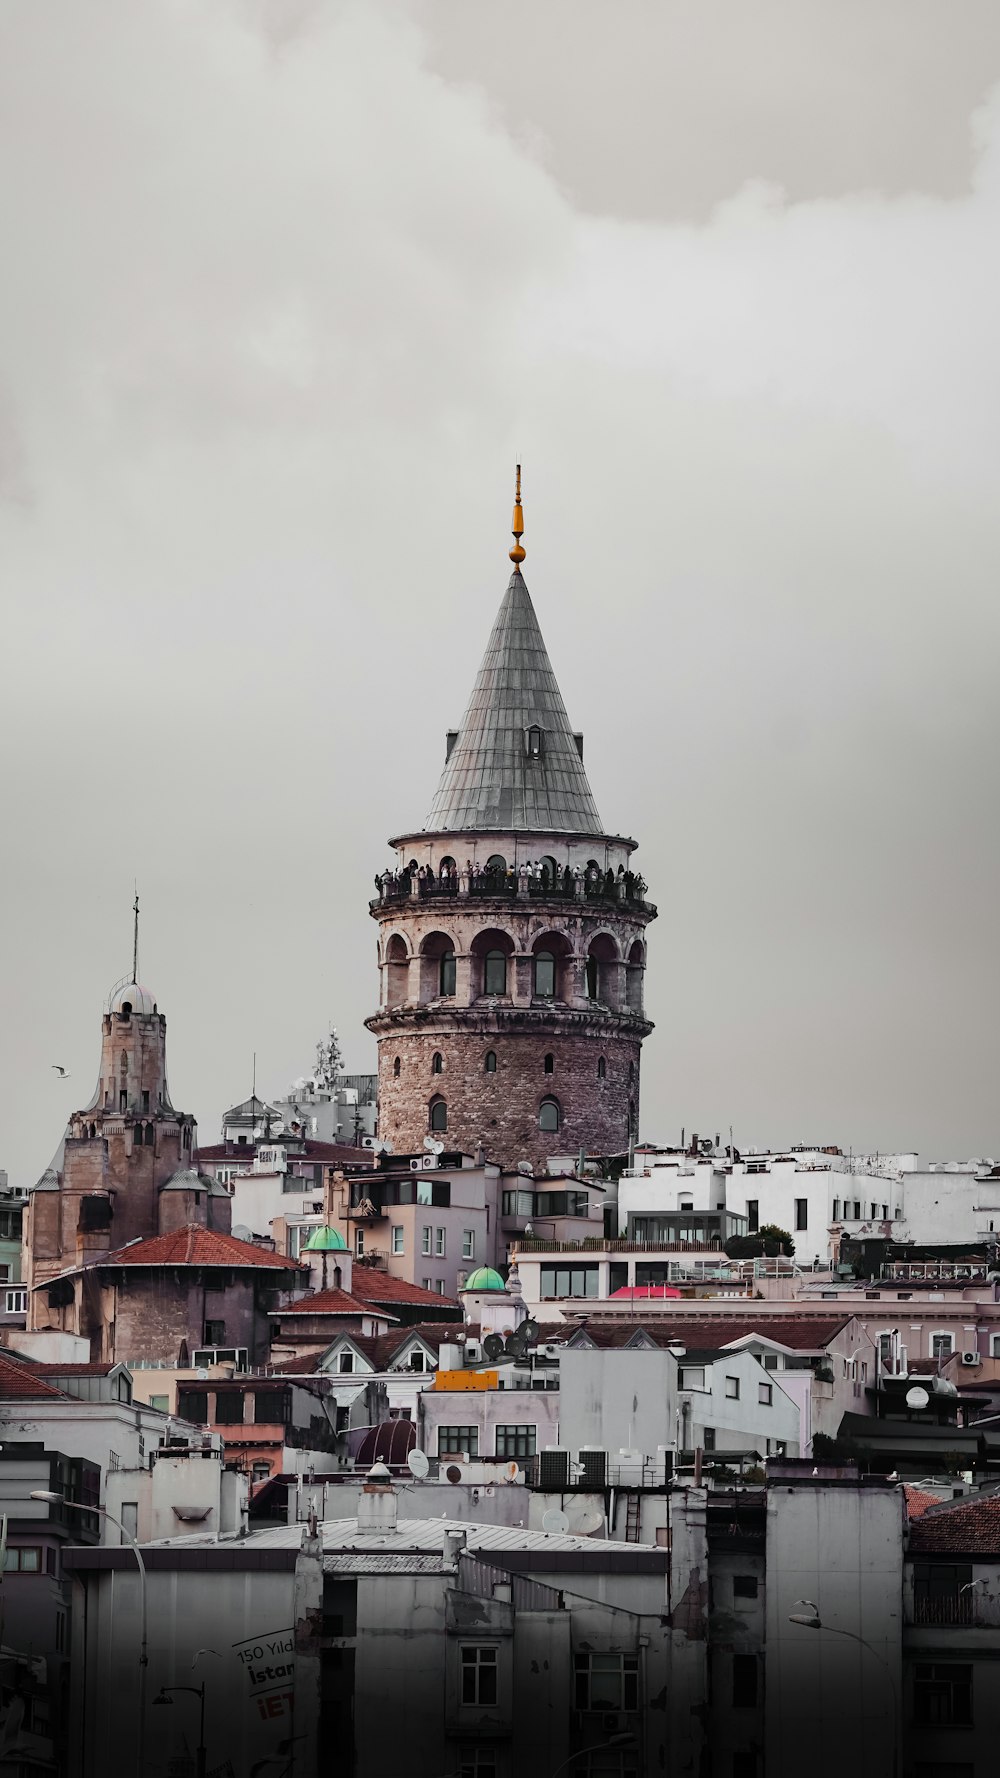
pixel 286 286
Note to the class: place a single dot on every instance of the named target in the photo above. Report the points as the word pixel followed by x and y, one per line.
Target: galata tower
pixel 512 932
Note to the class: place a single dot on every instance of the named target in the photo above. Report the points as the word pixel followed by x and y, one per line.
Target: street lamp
pixel 811 1620
pixel 627 1740
pixel 101 1512
pixel 199 1693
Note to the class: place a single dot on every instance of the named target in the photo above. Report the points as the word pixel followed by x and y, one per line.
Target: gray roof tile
pixel 490 782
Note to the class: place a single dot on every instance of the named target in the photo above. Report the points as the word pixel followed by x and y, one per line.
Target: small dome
pixel 484 1278
pixel 325 1240
pixel 132 999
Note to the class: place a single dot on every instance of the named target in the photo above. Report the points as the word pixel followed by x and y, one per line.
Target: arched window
pixel 496 865
pixel 397 1064
pixel 602 1068
pixel 548 1115
pixel 495 974
pixel 545 975
pixel 437 1065
pixel 550 872
pixel 150 1133
pixel 446 984
pixel 490 1062
pixel 439 1115
pixel 550 1065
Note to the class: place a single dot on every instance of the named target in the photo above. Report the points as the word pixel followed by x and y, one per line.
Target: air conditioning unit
pixel 553 1468
pixel 416 1164
pixel 971 1358
pixel 368 1141
pixel 428 1160
pixel 594 1467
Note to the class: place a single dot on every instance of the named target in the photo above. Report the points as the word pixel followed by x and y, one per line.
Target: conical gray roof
pixel 491 782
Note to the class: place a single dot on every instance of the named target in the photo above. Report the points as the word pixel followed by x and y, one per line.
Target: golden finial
pixel 517 553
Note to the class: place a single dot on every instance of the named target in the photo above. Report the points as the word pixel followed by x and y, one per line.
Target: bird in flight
pixel 63 1073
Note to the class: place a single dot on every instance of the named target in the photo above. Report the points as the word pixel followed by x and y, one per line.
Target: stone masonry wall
pixel 501 1110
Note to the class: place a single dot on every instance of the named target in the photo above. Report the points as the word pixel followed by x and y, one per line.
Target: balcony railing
pixel 963 1608
pixel 598 1244
pixel 611 891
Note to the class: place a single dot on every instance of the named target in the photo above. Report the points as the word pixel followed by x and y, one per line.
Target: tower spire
pixel 517 554
pixel 135 937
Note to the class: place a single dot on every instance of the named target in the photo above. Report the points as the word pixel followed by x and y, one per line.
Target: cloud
pixel 281 302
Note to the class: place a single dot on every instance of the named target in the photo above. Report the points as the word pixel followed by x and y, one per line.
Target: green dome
pixel 325 1240
pixel 484 1278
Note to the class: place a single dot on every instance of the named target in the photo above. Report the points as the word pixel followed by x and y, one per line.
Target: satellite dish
pixel 917 1397
pixel 453 1473
pixel 517 1344
pixel 554 1520
pixel 511 1472
pixel 242 1233
pixel 201 1373
pixel 417 1464
pixel 526 1168
pixel 492 1346
pixel 585 1523
pixel 433 1146
pixel 528 1331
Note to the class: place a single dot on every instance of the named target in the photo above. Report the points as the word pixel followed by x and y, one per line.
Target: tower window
pixel 145 1101
pixel 150 1133
pixel 549 1065
pixel 602 1068
pixel 490 1062
pixel 534 743
pixel 437 1065
pixel 446 984
pixel 439 1115
pixel 549 1117
pixel 397 1064
pixel 545 975
pixel 123 1101
pixel 495 981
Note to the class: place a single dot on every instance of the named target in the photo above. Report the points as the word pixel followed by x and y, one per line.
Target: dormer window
pixel 533 738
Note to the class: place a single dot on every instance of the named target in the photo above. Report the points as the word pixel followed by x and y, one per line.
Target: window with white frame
pixel 942 1345
pixel 359 1242
pixel 425 1240
pixel 606 1681
pixel 693 1376
pixel 479 1673
pixel 439 1287
pixel 427 1283
pixel 397 1238
pixel 478 1762
pixel 15 1301
pixel 468 1243
pixel 439 1243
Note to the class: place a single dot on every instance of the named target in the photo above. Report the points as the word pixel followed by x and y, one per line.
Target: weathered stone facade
pixel 512 946
pixel 125 1169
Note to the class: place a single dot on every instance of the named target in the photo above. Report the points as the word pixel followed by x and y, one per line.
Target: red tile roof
pixel 73 1370
pixel 330 1153
pixel 917 1502
pixel 710 1333
pixel 382 1287
pixel 331 1302
pixel 21 1382
pixel 196 1246
pixel 961 1528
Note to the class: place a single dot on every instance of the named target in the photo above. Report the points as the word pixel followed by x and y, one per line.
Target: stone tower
pixel 125 1168
pixel 512 932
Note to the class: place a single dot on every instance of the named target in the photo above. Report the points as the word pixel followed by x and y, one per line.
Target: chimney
pixel 454 1544
pixel 377 1504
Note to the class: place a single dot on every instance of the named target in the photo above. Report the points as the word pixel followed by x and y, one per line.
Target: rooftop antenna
pixel 517 554
pixel 135 936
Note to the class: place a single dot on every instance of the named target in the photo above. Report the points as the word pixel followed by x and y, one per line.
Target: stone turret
pixel 125 1168
pixel 512 932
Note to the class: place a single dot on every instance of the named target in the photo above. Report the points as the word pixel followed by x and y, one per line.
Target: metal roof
pixel 427 1535
pixel 490 782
